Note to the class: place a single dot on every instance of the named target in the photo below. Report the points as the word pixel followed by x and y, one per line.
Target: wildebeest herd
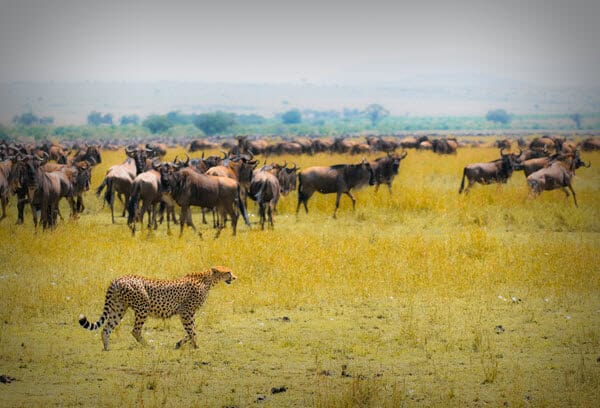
pixel 40 175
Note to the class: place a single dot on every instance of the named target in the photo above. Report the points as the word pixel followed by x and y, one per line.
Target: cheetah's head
pixel 223 273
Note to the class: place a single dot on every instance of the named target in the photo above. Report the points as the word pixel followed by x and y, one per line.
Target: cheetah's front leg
pixel 188 325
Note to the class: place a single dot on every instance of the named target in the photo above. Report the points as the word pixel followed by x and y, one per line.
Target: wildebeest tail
pixel 462 183
pixel 242 206
pixel 133 203
pixel 86 324
pixel 100 188
pixel 108 194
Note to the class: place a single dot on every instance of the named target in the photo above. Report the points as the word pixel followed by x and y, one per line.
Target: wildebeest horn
pixel 225 154
pixel 295 167
pixel 187 160
pixel 202 155
pixel 251 154
pixel 404 154
pixel 502 152
pixel 588 165
pixel 175 159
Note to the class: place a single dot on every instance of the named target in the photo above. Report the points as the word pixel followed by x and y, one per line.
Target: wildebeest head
pixel 139 155
pixel 511 161
pixel 397 159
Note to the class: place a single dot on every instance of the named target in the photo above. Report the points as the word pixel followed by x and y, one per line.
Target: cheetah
pixel 159 298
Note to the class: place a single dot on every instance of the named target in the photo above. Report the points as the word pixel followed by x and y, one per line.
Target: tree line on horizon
pixel 293 121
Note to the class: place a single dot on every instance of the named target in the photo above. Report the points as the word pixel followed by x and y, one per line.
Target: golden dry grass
pixel 395 304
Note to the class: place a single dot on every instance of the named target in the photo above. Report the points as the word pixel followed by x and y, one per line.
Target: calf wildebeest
pixel 119 178
pixel 557 175
pixel 339 179
pixel 187 187
pixel 497 171
pixel 264 189
pixel 386 168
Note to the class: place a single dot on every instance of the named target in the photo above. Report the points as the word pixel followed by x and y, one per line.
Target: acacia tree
pixel 498 115
pixel 291 117
pixel 576 117
pixel 215 122
pixel 375 113
pixel 157 123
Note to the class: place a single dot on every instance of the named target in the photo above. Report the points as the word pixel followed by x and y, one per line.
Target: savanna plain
pixel 419 298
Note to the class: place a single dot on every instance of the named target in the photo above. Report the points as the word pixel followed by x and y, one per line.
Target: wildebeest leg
pixel 124 205
pixel 270 213
pixel 572 191
pixel 21 201
pixel 80 207
pixel 349 194
pixel 4 202
pixel 73 206
pixel 261 213
pixel 377 187
pixel 303 199
pixel 185 217
pixel 389 188
pixel 337 203
pixel 471 182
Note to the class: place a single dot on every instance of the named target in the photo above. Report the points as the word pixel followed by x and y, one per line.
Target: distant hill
pixel 454 95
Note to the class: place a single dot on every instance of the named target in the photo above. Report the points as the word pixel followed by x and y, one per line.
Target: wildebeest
pixel 264 189
pixel 386 168
pixel 497 171
pixel 546 142
pixel 79 175
pixel 444 146
pixel 557 175
pixel 187 188
pixel 287 179
pixel 339 179
pixel 5 177
pixel 202 145
pixel 43 189
pixel 91 154
pixel 145 188
pixel 590 144
pixel 412 142
pixel 119 178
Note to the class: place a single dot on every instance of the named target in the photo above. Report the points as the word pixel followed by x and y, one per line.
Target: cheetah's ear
pixel 220 269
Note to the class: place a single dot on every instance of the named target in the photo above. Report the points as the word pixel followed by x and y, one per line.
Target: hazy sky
pixel 545 41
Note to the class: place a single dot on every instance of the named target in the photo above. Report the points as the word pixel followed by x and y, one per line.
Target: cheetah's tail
pixel 86 324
